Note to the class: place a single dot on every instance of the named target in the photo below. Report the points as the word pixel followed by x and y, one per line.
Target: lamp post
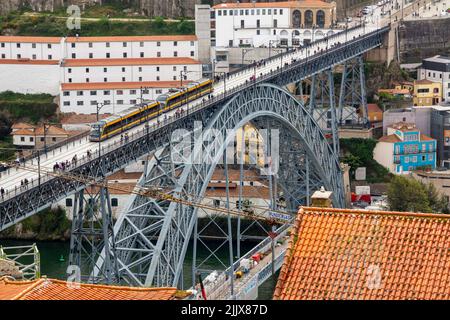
pixel 244 52
pixel 46 127
pixel 99 107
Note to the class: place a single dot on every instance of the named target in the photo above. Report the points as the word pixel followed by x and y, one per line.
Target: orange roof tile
pixel 51 131
pixel 424 81
pixel 50 289
pixel 74 118
pixel 121 85
pixel 25 39
pixel 390 138
pixel 284 4
pixel 366 255
pixel 128 62
pixel 133 38
pixel 22 125
pixel 424 137
pixel 373 107
pixel 29 61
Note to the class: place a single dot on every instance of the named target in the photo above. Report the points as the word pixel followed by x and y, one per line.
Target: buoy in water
pixel 61 259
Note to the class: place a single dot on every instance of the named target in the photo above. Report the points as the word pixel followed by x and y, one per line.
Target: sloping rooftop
pixel 122 85
pixel 338 254
pixel 133 38
pixel 50 289
pixel 390 138
pixel 283 4
pixel 129 62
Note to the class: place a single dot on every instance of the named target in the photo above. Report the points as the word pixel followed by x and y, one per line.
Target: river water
pixel 53 266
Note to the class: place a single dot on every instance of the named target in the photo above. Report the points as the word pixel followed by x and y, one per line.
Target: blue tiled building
pixel 405 149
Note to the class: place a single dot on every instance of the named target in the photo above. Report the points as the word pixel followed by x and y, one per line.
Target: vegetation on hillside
pixel 47 225
pixel 52 25
pixel 407 194
pixel 358 152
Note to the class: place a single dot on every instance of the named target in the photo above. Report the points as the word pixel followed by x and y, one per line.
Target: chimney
pixel 322 198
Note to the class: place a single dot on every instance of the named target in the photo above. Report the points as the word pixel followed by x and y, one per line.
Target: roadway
pixel 11 179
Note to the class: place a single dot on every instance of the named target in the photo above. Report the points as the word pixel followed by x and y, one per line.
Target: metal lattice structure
pixel 152 236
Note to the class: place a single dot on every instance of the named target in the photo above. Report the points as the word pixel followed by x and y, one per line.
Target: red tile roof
pixel 73 118
pixel 51 131
pixel 50 289
pixel 121 85
pixel 128 62
pixel 29 61
pixel 424 137
pixel 26 39
pixel 133 38
pixel 366 255
pixel 373 107
pixel 22 125
pixel 390 138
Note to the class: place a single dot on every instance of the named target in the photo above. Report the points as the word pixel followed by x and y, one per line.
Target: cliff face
pixel 39 5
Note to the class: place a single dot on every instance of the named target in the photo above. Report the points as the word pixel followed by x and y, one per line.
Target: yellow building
pixel 254 152
pixel 427 93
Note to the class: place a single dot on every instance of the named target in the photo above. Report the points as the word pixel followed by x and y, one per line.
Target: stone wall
pixel 424 38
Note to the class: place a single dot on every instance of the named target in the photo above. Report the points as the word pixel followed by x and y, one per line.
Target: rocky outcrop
pixel 40 5
pixel 8 268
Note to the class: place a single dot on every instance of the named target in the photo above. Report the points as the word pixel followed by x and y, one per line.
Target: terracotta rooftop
pixel 129 62
pixel 373 107
pixel 423 81
pixel 26 39
pixel 390 138
pixel 51 131
pixel 22 125
pixel 73 118
pixel 424 137
pixel 121 85
pixel 132 38
pixel 50 289
pixel 29 62
pixel 338 254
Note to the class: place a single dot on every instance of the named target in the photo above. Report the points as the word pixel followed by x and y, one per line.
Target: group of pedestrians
pixel 62 166
pixel 2 193
pixel 24 184
pixel 124 137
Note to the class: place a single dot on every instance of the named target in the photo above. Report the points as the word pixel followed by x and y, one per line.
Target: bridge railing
pixel 189 110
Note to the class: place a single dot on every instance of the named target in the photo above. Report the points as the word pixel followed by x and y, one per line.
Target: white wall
pixel 9 50
pixel 384 155
pixel 29 78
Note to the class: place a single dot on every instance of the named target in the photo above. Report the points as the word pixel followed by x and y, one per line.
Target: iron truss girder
pixel 34 200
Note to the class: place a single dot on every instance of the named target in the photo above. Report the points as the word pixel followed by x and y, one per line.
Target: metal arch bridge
pixel 150 239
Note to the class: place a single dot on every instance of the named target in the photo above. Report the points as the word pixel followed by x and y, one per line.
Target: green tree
pixel 438 203
pixel 407 194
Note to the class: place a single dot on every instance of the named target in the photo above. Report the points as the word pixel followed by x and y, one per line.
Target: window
pixel 119 102
pixel 19 56
pixel 142 54
pixel 185 68
pixel 158 44
pixel 141 44
pixel 33 45
pixel 175 54
pixel 157 69
pixel 22 139
pixel 107 45
pixel 73 45
pixel 192 53
pixel 174 68
pixel 50 57
pixel 3 45
pixel 90 44
pixel 132 91
pixel 114 202
pixel 105 69
pixel 158 54
pixel 93 102
pixel 80 103
pixel 106 93
pixel 140 69
pixel 175 43
pixel 216 203
pixel 108 55
pixel 220 12
pixel 242 24
pixel 123 69
pixel 157 78
pixel 107 102
pixel 192 43
pixel 80 93
pixel 123 79
pixel 281 11
pixel 91 55
pixel 158 91
pixel 225 12
pixel 253 12
pixel 34 57
pixel 269 11
pixel 125 44
pixel 3 56
pixel 18 45
pixel 125 55
pixel 93 93
pixel 119 92
pixel 70 80
pixel 87 70
pixel 133 101
pixel 69 202
pixel 105 79
pixel 66 93
pixel 31 139
pixel 69 70
pixel 174 78
pixel 74 56
pixel 275 11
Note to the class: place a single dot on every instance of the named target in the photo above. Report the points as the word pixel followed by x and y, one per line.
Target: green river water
pixel 52 267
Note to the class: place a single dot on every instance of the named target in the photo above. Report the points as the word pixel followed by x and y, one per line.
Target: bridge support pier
pixel 92 231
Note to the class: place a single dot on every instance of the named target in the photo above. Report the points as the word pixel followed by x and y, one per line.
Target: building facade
pixel 256 24
pixel 405 149
pixel 440 130
pixel 420 116
pixel 437 69
pixel 85 71
pixel 427 93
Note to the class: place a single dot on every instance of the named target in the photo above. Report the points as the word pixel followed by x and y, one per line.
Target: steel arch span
pixel 152 235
